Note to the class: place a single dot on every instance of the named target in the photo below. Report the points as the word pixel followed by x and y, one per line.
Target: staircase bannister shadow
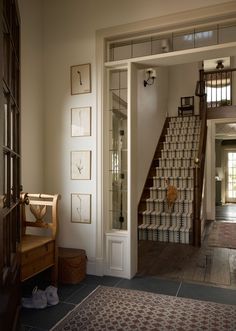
pixel 199 162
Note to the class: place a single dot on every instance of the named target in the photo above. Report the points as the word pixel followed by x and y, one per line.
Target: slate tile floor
pixel 71 295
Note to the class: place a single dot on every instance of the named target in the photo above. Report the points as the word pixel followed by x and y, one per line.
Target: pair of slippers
pixel 41 299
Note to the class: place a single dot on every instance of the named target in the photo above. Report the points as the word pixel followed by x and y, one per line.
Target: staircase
pixel 176 163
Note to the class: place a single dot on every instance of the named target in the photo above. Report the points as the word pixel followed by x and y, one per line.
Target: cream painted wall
pixel 68 39
pixel 151 113
pixel 32 101
pixel 182 82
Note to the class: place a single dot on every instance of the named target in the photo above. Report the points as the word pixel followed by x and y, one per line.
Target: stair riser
pixel 174 172
pixel 186 131
pixel 180 146
pixel 186 154
pixel 179 182
pixel 160 205
pixel 182 138
pixel 184 125
pixel 176 163
pixel 183 194
pixel 193 118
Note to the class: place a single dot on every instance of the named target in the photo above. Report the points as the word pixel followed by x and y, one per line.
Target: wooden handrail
pixel 199 165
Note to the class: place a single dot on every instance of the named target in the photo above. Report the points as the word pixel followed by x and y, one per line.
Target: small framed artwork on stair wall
pixel 80 78
pixel 80 165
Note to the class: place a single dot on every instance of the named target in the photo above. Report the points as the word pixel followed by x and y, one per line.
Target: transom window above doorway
pixel 176 40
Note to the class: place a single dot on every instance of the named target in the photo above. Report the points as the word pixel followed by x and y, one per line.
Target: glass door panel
pixel 118 149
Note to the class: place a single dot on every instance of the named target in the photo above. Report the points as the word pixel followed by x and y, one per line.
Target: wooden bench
pixel 39 218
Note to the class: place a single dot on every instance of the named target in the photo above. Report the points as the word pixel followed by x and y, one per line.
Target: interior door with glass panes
pixel 230 176
pixel 9 166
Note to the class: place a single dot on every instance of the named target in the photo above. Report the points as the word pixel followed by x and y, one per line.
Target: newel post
pixel 197 206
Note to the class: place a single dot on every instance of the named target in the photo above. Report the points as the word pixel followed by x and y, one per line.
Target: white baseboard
pixel 99 266
pixel 95 267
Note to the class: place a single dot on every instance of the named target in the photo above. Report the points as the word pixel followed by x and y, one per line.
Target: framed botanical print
pixel 81 122
pixel 81 165
pixel 80 78
pixel 80 208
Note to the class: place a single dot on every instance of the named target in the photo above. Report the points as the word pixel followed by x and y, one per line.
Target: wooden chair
pixel 39 247
pixel 187 106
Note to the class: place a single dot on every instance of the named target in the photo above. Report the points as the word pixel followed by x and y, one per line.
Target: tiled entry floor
pixel 71 295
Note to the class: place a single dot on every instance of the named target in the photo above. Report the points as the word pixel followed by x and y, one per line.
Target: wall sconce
pixel 151 75
pixel 220 64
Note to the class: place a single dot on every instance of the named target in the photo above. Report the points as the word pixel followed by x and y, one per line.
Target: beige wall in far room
pixel 182 83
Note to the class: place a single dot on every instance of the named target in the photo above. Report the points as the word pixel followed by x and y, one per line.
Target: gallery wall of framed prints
pixel 80 160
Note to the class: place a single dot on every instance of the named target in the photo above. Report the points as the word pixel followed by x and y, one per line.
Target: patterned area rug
pixel 110 308
pixel 223 234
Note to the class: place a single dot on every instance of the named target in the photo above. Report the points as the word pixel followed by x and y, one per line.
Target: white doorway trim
pixel 188 18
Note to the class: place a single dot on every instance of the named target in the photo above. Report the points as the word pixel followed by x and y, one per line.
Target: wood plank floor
pixel 226 212
pixel 211 265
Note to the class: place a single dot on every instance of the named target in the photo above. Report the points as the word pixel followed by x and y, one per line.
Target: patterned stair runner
pixel 176 164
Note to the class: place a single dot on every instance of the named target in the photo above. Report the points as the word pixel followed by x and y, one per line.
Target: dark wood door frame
pixel 9 165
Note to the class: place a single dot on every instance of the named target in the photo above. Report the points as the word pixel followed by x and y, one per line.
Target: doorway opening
pixel 225 174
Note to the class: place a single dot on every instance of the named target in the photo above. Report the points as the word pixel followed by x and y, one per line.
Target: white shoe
pixel 38 300
pixel 51 295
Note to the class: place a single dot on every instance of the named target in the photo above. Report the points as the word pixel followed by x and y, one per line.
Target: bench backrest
pixel 44 209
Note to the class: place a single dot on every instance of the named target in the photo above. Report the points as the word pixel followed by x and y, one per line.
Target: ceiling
pixel 212 63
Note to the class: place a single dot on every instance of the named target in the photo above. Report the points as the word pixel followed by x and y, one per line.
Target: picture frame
pixel 80 79
pixel 81 122
pixel 81 208
pixel 81 165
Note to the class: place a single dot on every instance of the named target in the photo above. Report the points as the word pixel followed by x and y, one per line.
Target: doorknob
pixel 3 201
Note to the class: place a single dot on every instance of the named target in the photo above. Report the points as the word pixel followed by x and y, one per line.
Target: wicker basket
pixel 71 265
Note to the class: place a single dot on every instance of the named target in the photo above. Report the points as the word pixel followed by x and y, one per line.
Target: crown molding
pixel 184 18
